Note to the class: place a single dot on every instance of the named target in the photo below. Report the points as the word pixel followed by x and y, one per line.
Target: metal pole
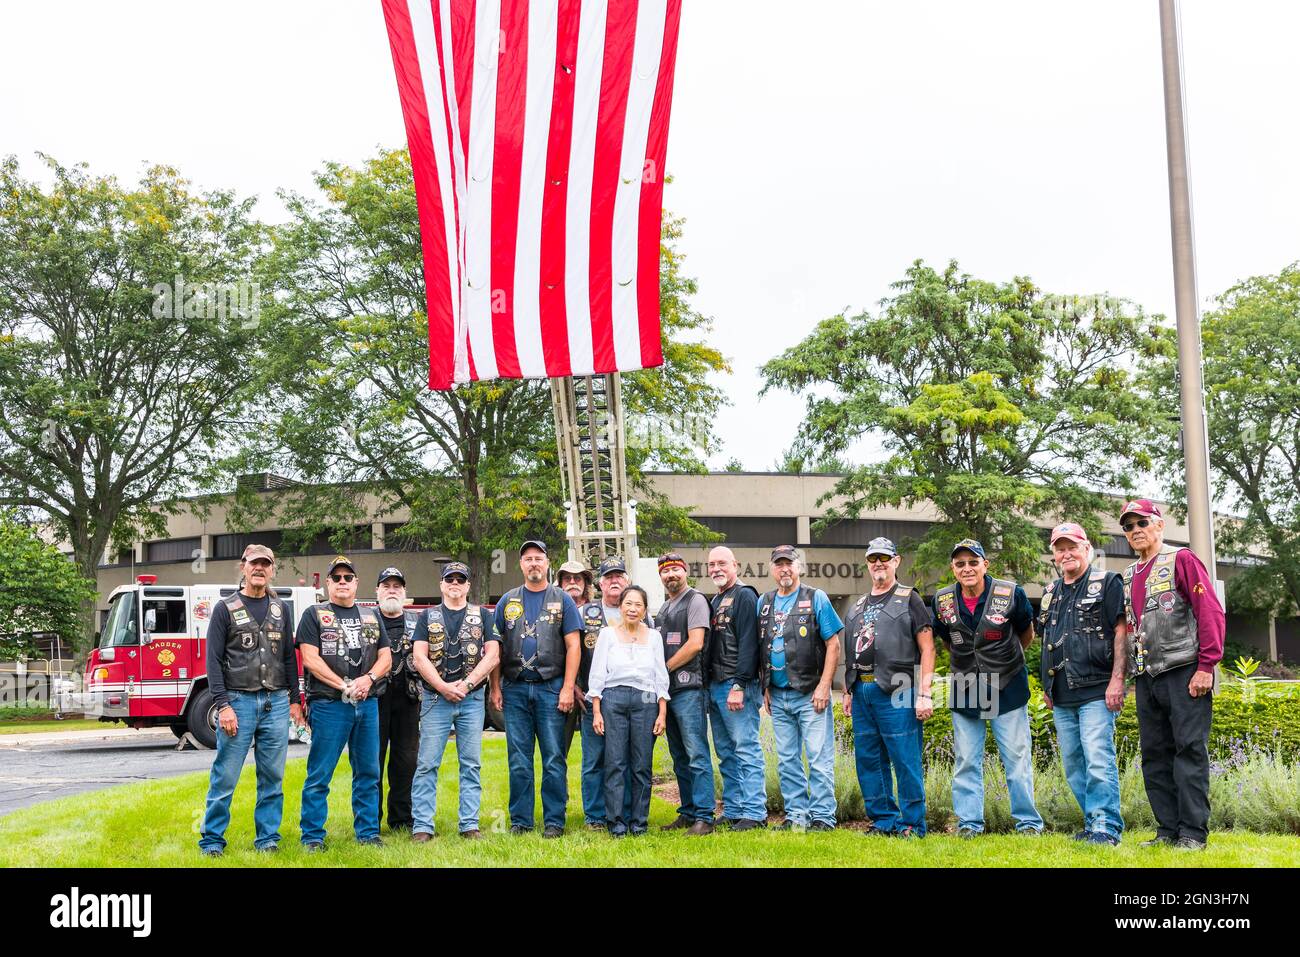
pixel 1186 308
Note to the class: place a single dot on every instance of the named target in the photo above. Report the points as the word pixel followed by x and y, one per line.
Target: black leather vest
pixel 890 634
pixel 991 648
pixel 1167 637
pixel 724 644
pixel 1086 653
pixel 691 674
pixel 334 647
pixel 254 654
pixel 403 675
pixel 805 652
pixel 548 662
pixel 593 619
pixel 454 657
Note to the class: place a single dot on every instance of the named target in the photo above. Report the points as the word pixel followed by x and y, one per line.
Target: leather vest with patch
pixel 896 650
pixel 334 648
pixel 1167 637
pixel 1087 651
pixel 455 657
pixel 991 648
pixel 403 675
pixel 805 652
pixel 548 629
pixel 672 628
pixel 254 654
pixel 724 644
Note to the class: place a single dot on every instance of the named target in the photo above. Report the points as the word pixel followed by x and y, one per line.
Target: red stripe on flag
pixel 650 226
pixel 616 78
pixel 433 236
pixel 463 13
pixel 507 161
pixel 555 336
pixel 451 134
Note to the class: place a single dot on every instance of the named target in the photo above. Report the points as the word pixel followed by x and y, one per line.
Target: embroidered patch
pixel 1163 574
pixel 683 676
pixel 1166 602
pixel 997 620
pixel 554 605
pixel 514 608
pixel 990 635
pixel 1094 588
pixel 275 611
pixel 1162 587
pixel 1002 590
pixel 471 649
pixel 725 603
pixel 326 619
pixel 329 647
pixel 805 604
pixel 673 638
pixel 589 639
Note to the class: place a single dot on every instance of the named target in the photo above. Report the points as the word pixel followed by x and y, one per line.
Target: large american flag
pixel 537 131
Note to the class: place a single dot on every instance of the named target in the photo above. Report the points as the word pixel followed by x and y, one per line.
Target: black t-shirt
pixel 352 646
pixel 864 643
pixel 1112 613
pixel 219 630
pixel 452 619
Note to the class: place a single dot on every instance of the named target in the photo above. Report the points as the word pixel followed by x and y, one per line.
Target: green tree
pixel 351 416
pixel 1000 406
pixel 40 590
pixel 1251 367
pixel 116 385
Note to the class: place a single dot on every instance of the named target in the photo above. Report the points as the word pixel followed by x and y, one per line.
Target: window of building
pixel 174 550
pixel 752 530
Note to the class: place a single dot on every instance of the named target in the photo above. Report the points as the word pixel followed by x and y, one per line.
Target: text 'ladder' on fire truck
pixel 589 431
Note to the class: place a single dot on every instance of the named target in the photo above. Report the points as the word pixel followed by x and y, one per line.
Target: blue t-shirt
pixel 533 601
pixel 828 623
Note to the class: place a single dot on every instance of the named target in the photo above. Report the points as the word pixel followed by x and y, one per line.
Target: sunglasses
pixel 1140 523
pixel 878 559
pixel 967 563
pixel 456 580
pixel 343 578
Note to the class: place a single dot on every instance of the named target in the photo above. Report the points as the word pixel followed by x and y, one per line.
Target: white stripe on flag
pixel 461 368
pixel 539 91
pixel 477 213
pixel 582 162
pixel 650 17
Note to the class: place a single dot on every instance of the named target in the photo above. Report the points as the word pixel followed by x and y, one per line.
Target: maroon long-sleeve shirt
pixel 1196 586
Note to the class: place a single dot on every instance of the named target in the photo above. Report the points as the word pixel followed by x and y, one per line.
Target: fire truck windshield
pixel 121 628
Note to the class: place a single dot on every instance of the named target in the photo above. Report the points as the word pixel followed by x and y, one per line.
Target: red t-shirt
pixel 1195 586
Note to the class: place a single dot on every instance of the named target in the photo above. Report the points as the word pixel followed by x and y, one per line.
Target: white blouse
pixel 639 665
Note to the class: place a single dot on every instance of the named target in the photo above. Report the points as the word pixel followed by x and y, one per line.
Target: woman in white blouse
pixel 628 689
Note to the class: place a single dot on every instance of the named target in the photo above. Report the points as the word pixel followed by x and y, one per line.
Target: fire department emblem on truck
pixel 166 657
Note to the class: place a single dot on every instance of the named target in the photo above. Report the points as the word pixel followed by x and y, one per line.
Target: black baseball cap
pixel 612 565
pixel 968 545
pixel 392 571
pixel 343 561
pixel 455 568
pixel 534 543
pixel 788 552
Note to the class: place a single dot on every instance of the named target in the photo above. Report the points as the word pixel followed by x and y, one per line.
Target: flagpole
pixel 1191 388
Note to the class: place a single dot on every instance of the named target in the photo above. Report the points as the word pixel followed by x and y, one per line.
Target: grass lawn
pixel 20 726
pixel 155 824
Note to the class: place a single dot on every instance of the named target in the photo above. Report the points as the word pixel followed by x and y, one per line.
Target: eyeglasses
pixel 1140 523
pixel 456 580
pixel 967 563
pixel 343 578
pixel 878 559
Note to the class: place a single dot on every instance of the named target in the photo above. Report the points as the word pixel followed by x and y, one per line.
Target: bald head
pixel 723 567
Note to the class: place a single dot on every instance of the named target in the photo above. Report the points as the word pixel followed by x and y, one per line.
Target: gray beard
pixel 390 606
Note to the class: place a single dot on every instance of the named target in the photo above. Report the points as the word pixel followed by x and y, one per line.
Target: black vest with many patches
pixel 403 677
pixel 334 648
pixel 454 657
pixel 593 619
pixel 254 655
pixel 896 650
pixel 1087 651
pixel 548 629
pixel 1167 637
pixel 991 648
pixel 805 652
pixel 672 628
pixel 724 645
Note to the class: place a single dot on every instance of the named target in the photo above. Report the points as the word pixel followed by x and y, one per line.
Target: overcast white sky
pixel 817 148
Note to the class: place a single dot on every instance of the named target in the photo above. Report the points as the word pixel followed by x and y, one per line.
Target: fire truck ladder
pixel 589 431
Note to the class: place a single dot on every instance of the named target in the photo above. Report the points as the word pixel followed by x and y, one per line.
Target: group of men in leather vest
pixel 1160 623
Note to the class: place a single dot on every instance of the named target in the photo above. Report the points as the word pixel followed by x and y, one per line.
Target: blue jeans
pixel 799 728
pixel 437 718
pixel 264 726
pixel 335 724
pixel 1086 734
pixel 740 755
pixel 1011 731
pixel 688 742
pixel 533 719
pixel 629 715
pixel 593 774
pixel 887 744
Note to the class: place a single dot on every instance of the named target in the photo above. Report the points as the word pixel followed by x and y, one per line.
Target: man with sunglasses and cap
pixel 253 678
pixel 399 698
pixel 456 649
pixel 1085 645
pixel 539 626
pixel 1176 623
pixel 987 624
pixel 684 623
pixel 888 633
pixel 345 651
pixel 575 581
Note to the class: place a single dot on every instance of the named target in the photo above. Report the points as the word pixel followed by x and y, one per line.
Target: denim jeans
pixel 1086 734
pixel 1011 731
pixel 740 755
pixel 264 726
pixel 437 718
pixel 533 719
pixel 335 724
pixel 688 743
pixel 629 715
pixel 593 774
pixel 887 745
pixel 799 728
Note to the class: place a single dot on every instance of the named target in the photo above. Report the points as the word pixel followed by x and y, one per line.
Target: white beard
pixel 390 606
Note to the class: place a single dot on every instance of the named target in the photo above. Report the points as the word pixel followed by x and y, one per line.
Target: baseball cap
pixel 575 568
pixel 969 545
pixel 392 571
pixel 785 551
pixel 455 568
pixel 612 565
pixel 669 559
pixel 1070 530
pixel 881 546
pixel 1141 506
pixel 533 543
pixel 258 551
pixel 340 560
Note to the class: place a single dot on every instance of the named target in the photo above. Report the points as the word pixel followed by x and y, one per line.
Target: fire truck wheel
pixel 201 718
pixel 178 730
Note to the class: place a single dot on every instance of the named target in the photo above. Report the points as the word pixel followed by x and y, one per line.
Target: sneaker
pixel 700 828
pixel 1030 832
pixel 681 824
pixel 747 824
pixel 616 832
pixel 1158 841
pixel 597 826
pixel 212 851
pixel 1082 836
pixel 520 829
pixel 552 831
pixel 421 837
pixel 1101 837
pixel 371 842
pixel 967 833
pixel 788 826
pixel 1189 844
pixel 821 826
pixel 471 835
pixel 907 834
pixel 314 847
pixel 639 831
pixel 268 849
